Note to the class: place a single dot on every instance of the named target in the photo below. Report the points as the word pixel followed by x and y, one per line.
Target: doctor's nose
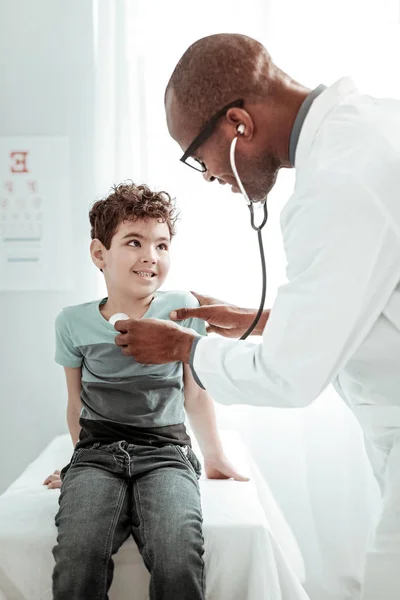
pixel 208 177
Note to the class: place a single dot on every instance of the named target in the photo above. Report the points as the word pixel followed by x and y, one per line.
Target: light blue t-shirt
pixel 123 399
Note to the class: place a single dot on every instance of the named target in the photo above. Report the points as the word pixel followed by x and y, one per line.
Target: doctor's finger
pixel 121 325
pixel 214 329
pixel 232 333
pixel 186 313
pixel 121 339
pixel 208 300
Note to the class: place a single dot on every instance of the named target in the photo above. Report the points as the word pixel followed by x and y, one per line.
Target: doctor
pixel 337 320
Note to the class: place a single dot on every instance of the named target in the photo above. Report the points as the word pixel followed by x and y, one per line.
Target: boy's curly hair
pixel 129 202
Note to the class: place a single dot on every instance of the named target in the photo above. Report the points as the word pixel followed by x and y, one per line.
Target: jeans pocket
pixel 190 458
pixel 75 456
pixel 195 461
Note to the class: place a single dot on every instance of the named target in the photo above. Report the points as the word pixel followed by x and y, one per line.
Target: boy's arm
pixel 199 407
pixel 73 377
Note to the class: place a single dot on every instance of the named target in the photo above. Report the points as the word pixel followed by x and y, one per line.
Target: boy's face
pixel 138 260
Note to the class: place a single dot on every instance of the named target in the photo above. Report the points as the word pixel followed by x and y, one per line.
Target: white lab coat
pixel 338 317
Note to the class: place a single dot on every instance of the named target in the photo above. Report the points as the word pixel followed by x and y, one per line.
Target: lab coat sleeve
pixel 343 265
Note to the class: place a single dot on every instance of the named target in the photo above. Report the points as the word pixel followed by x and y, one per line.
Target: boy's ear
pixel 97 252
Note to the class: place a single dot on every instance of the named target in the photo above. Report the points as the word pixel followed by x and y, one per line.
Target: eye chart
pixel 35 214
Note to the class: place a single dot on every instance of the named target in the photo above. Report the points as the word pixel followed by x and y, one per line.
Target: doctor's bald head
pixel 223 81
pixel 216 70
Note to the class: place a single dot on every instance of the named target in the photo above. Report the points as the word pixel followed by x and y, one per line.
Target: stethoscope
pixel 305 107
pixel 240 131
pixel 258 229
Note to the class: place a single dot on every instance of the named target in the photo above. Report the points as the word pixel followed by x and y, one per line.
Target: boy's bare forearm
pixel 201 414
pixel 73 424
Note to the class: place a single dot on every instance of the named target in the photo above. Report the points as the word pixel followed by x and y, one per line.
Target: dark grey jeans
pixel 111 491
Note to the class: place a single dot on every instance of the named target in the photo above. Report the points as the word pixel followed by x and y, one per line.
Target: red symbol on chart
pixel 18 161
pixel 32 186
pixel 9 186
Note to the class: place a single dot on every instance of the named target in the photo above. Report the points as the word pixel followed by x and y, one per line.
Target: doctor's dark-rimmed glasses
pixel 205 133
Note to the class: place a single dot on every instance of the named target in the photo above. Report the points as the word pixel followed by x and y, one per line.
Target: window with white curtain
pixel 313 459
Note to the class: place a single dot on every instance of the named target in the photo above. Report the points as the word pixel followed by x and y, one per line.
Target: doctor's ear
pixel 97 251
pixel 242 122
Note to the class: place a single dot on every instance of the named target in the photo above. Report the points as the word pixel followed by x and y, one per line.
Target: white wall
pixel 46 88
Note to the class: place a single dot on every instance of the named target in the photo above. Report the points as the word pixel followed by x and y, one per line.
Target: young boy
pixel 133 469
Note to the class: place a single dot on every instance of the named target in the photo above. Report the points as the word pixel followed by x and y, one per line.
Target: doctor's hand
pixel 154 341
pixel 227 320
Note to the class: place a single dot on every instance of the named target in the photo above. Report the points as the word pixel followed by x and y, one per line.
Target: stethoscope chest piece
pixel 117 317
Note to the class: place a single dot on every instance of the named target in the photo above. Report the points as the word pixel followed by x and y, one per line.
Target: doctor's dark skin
pixel 212 73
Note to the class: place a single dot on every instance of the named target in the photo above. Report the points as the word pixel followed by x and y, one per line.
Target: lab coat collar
pixel 298 123
pixel 319 109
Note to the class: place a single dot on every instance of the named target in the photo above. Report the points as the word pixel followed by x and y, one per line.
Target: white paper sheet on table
pixel 250 552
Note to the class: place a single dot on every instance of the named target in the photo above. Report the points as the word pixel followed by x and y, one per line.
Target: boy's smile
pixel 136 264
pixel 145 274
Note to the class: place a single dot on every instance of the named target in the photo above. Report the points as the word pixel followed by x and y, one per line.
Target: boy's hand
pixel 221 468
pixel 53 481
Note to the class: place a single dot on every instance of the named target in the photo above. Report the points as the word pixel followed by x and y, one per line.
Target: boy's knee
pixel 175 558
pixel 78 556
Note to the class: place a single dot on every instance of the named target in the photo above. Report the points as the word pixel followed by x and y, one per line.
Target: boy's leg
pixel 167 521
pixel 93 521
